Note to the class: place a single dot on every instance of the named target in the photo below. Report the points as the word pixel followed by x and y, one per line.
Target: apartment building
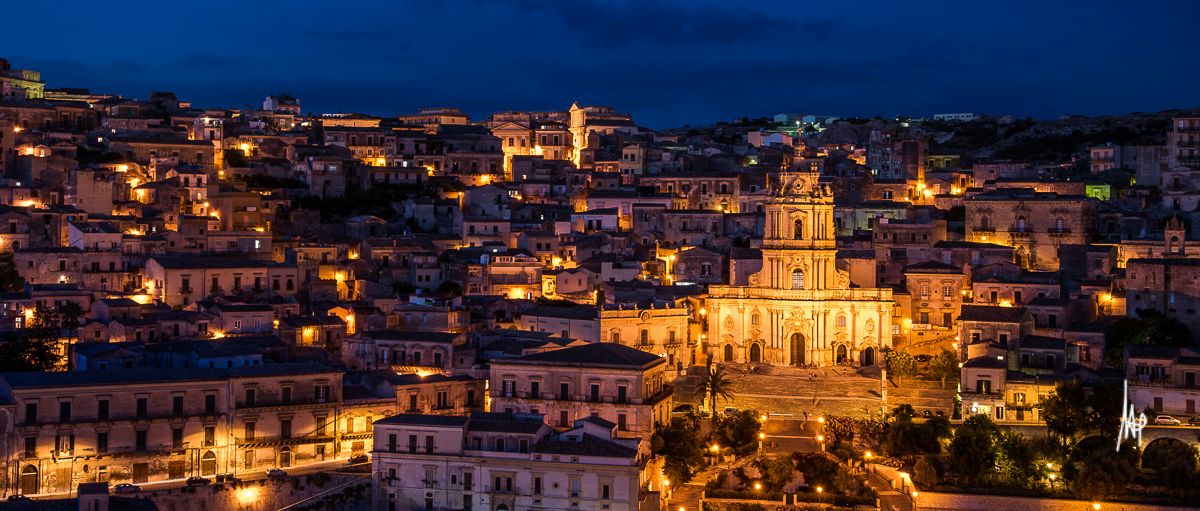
pixel 179 280
pixel 620 384
pixel 505 462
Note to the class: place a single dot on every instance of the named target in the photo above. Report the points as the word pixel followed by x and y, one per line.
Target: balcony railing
pixel 585 398
pixel 148 417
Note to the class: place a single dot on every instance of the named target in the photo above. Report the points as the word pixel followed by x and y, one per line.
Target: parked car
pixel 126 488
pixel 198 481
pixel 926 414
pixel 683 408
pixel 1194 421
pixel 1167 420
pixel 18 497
pixel 228 479
pixel 276 473
pixel 923 358
pixel 358 459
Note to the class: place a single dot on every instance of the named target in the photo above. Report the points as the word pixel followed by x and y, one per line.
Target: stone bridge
pixel 1188 434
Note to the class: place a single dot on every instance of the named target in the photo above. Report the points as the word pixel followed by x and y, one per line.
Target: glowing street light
pixel 247 496
pixel 868 455
pixel 1096 506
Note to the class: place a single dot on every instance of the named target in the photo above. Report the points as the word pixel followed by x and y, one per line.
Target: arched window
pixel 841 321
pixel 1021 224
pixel 798 229
pixel 728 353
pixel 1060 225
pixel 754 319
pixel 208 464
pixel 985 223
pixel 644 336
pixel 614 336
pixel 797 279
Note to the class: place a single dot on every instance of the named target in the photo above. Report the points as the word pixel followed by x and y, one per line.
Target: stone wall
pixel 935 501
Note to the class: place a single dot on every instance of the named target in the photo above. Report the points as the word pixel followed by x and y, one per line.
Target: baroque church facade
pixel 799 308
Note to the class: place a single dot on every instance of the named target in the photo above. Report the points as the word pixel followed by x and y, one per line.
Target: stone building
pixel 1035 224
pixel 501 461
pixel 799 309
pixel 620 384
pixel 1167 285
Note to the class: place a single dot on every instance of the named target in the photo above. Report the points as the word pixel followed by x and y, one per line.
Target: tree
pixel 777 471
pixel 680 444
pixel 925 474
pixel 70 313
pixel 1065 412
pixel 1173 461
pixel 738 429
pixel 1105 409
pixel 716 384
pixel 1017 459
pixel 973 450
pixel 944 367
pixel 1150 327
pixel 1105 475
pixel 35 347
pixel 900 364
pixel 906 439
pixel 10 278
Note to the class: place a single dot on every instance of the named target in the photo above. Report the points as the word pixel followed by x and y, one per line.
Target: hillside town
pixel 567 310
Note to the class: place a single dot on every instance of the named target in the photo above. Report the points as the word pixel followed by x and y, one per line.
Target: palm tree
pixel 71 314
pixel 716 384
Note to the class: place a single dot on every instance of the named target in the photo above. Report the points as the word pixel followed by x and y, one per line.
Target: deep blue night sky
pixel 667 62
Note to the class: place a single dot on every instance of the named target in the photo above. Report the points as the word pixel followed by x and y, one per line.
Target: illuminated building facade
pixel 799 309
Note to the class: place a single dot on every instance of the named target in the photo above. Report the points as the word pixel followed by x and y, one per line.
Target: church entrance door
pixel 796 349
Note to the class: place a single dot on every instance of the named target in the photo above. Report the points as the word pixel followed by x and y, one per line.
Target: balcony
pixel 207 417
pixel 271 440
pixel 586 398
pixel 279 403
pixel 1018 233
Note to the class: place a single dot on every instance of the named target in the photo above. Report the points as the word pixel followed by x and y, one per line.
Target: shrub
pixel 925 474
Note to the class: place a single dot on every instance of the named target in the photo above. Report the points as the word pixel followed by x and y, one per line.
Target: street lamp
pixel 820 490
pixel 757 486
pixel 1096 506
pixel 247 495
